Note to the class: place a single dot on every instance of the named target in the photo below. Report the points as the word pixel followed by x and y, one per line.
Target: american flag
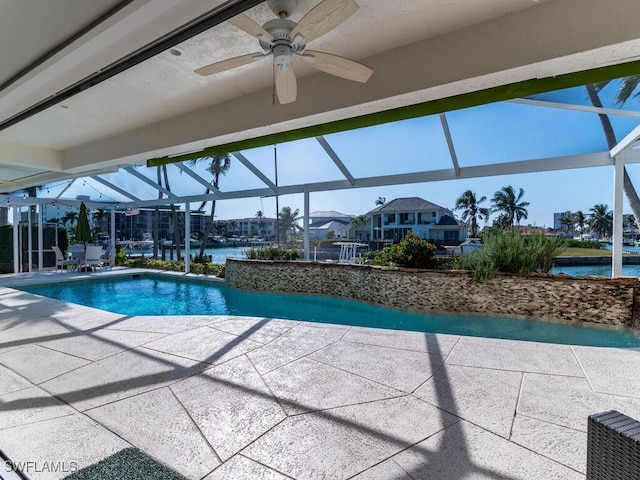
pixel 132 211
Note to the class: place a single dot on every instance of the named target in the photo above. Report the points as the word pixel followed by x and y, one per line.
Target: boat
pixel 469 245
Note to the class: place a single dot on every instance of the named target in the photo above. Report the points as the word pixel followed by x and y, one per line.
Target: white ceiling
pixel 420 50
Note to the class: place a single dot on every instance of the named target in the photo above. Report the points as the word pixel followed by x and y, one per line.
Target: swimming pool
pixel 157 295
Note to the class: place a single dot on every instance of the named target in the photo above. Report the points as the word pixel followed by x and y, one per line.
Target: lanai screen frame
pixel 623 153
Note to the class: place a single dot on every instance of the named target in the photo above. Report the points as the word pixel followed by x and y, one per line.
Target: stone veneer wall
pixel 557 298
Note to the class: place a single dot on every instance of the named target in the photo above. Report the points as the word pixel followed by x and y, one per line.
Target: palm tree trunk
pixel 627 185
pixel 209 229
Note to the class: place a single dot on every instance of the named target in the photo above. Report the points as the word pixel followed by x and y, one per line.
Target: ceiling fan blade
pixel 246 24
pixel 338 66
pixel 286 85
pixel 325 16
pixel 229 64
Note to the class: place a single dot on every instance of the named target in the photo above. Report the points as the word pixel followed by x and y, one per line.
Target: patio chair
pixel 61 261
pixel 92 256
pixel 613 446
pixel 106 256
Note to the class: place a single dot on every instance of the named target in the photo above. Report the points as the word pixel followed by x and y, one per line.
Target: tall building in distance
pixel 557 220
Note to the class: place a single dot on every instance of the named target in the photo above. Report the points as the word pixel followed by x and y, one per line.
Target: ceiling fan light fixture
pixel 282 54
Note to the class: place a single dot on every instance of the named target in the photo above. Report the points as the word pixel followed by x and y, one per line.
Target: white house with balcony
pixel 394 219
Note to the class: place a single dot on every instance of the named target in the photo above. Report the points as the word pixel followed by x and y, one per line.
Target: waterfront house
pixel 323 222
pixel 394 219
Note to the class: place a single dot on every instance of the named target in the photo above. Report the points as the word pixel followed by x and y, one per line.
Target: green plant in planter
pixel 412 252
pixel 270 253
pixel 511 254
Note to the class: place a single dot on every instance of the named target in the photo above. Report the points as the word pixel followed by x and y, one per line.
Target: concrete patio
pixel 220 397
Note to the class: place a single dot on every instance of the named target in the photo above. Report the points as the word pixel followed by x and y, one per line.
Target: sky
pixel 481 135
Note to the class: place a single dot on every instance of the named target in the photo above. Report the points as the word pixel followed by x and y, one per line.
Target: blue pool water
pixel 154 295
pixel 603 270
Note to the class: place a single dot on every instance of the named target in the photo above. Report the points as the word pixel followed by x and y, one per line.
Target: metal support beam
pixel 618 179
pixel 40 239
pixel 113 236
pixel 150 182
pixel 574 107
pixel 16 242
pixel 29 240
pixel 65 188
pixel 183 168
pixel 626 142
pixel 187 237
pixel 452 150
pixel 306 225
pixel 334 156
pixel 255 170
pixel 116 188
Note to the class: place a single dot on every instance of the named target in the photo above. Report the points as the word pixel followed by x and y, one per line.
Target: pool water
pixel 602 270
pixel 154 295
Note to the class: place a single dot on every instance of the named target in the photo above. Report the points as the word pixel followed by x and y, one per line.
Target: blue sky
pixel 487 134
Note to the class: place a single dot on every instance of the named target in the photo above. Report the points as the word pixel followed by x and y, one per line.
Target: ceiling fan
pixel 285 40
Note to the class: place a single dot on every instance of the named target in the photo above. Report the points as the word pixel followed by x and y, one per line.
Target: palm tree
pixel 174 215
pixel 580 220
pixel 471 210
pixel 70 217
pixel 601 220
pixel 569 222
pixel 359 222
pixel 631 225
pixel 232 226
pixel 219 165
pixel 625 91
pixel 100 216
pixel 511 206
pixel 261 223
pixel 288 222
pixel 380 201
pixel 155 228
pixel 630 222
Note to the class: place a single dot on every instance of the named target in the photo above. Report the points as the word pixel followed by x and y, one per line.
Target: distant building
pixel 256 227
pixel 323 222
pixel 557 220
pixel 394 219
pixel 133 227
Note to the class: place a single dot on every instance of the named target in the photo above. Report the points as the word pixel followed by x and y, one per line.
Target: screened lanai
pixel 449 100
pixel 551 131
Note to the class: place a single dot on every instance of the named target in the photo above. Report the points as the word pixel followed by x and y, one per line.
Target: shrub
pixel 271 253
pixel 49 233
pixel 207 268
pixel 584 244
pixel 511 254
pixel 412 252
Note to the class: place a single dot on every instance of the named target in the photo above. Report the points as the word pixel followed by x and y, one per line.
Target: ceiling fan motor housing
pixel 281 46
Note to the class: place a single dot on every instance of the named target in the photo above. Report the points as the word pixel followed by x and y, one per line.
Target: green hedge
pixel 48 240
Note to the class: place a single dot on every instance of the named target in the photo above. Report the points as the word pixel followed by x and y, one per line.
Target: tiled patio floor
pixel 258 398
